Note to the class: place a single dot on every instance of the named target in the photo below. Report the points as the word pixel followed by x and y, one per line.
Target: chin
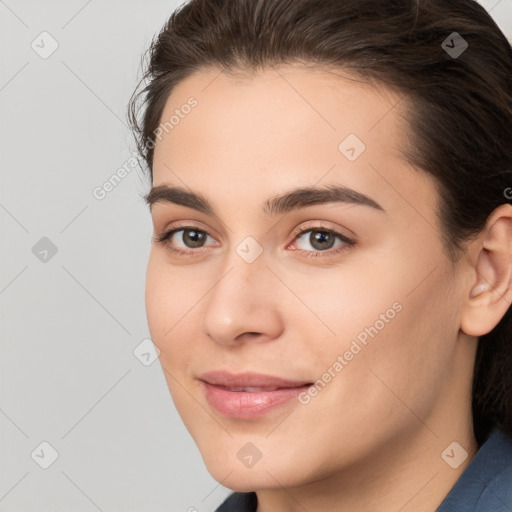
pixel 245 481
pixel 265 474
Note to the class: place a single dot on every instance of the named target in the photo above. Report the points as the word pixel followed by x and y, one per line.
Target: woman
pixel 330 278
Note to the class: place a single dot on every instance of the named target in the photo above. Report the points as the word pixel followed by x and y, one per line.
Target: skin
pixel 372 438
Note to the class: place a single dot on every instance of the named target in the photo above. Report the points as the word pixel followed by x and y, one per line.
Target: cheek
pixel 411 357
pixel 168 312
pixel 158 298
pixel 394 330
pixel 168 301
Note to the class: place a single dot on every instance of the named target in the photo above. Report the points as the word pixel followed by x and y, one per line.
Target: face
pixel 349 296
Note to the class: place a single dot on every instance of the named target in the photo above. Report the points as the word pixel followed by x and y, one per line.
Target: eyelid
pixel 167 233
pixel 348 241
pixel 178 225
pixel 319 226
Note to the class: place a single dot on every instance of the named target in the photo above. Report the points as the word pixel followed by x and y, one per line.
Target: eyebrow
pixel 293 200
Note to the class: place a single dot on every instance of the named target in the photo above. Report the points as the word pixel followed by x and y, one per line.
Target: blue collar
pixel 486 483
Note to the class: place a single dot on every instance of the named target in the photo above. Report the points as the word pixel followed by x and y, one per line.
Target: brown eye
pixel 322 240
pixel 185 240
pixel 193 238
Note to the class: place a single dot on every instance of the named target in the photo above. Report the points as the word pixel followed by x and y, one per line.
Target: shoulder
pixel 239 502
pixel 486 484
pixel 497 493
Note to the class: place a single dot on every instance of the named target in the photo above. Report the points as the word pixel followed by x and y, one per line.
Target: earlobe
pixel 490 292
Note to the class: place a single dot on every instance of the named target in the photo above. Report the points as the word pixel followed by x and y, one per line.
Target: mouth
pixel 249 395
pixel 242 381
pixel 250 389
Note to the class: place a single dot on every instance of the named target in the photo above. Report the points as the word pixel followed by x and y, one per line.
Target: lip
pixel 248 404
pixel 249 379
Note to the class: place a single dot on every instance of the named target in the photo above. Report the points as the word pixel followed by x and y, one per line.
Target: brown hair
pixel 460 123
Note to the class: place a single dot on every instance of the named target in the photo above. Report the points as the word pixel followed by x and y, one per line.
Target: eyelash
pixel 165 237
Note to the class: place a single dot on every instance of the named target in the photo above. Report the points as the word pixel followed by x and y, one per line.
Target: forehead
pixel 277 106
pixel 263 131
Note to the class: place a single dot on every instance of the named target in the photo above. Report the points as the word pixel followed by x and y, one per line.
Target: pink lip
pixel 248 404
pixel 223 378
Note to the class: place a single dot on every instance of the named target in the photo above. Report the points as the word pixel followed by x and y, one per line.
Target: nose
pixel 243 304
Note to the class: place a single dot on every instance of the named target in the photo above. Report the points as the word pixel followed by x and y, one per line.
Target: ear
pixel 490 285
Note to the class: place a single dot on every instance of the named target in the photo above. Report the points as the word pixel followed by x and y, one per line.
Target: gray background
pixel 71 320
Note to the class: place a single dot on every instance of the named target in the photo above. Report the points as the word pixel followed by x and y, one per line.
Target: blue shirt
pixel 484 486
